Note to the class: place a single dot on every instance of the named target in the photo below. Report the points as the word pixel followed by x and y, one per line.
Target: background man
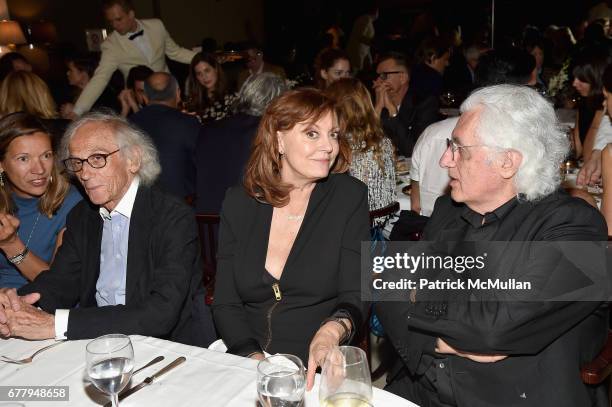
pixel 174 133
pixel 133 42
pixel 403 116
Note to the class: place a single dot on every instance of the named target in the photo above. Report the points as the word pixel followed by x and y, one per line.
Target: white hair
pixel 128 138
pixel 518 118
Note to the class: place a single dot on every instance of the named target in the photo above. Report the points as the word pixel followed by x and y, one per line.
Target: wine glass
pixel 281 381
pixel 110 362
pixel 345 379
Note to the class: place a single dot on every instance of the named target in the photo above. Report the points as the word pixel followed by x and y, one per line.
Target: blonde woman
pixel 24 91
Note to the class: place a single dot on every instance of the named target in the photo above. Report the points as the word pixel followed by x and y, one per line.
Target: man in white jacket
pixel 134 42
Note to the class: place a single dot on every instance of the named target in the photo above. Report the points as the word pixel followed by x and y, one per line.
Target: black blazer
pixel 548 341
pixel 221 154
pixel 175 135
pixel 321 275
pixel 163 271
pixel 414 115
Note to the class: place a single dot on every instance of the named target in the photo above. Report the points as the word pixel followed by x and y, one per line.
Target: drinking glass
pixel 345 379
pixel 110 362
pixel 281 381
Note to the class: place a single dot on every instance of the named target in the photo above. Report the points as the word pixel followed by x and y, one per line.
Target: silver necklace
pixel 295 217
pixel 33 228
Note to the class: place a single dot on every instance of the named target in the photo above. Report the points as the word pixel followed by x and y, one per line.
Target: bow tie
pixel 136 35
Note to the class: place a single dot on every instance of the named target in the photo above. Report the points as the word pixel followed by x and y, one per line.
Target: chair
pixel 598 370
pixel 386 211
pixel 208 229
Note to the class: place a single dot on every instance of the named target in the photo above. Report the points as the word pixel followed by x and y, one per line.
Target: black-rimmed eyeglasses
pixel 384 75
pixel 98 160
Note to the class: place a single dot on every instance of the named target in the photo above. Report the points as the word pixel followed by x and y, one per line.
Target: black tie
pixel 136 35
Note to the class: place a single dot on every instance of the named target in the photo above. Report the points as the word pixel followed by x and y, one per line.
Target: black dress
pixel 255 312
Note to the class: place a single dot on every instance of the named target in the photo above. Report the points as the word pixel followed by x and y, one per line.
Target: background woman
pixel 79 71
pixel 34 200
pixel 588 72
pixel 330 65
pixel 26 92
pixel 372 152
pixel 289 249
pixel 207 88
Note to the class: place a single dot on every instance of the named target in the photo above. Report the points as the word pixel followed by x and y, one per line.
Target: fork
pixel 29 359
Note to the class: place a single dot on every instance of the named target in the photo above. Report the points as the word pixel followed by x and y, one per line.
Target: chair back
pixel 208 229
pixel 384 212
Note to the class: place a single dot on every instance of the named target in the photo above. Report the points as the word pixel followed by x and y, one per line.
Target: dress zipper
pixel 278 296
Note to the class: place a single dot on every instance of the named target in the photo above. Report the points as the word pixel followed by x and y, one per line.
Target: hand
pixel 8 230
pixel 379 95
pixel 31 323
pixel 10 301
pixel 324 340
pixel 445 348
pixel 67 111
pixel 257 356
pixel 590 173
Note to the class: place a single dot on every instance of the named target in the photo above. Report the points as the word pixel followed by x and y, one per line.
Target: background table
pixel 207 378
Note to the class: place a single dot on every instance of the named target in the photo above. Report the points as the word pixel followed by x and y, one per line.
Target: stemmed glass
pixel 110 362
pixel 345 379
pixel 281 381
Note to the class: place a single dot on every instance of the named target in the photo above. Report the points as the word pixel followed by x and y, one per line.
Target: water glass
pixel 345 379
pixel 110 362
pixel 281 381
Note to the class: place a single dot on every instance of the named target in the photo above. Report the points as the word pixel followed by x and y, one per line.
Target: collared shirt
pixel 142 42
pixel 110 288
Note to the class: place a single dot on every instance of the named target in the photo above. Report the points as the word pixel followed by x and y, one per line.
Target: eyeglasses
pixel 450 143
pixel 74 164
pixel 384 75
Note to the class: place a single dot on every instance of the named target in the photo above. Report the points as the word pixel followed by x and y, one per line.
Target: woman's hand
pixel 445 348
pixel 8 230
pixel 328 336
pixel 257 356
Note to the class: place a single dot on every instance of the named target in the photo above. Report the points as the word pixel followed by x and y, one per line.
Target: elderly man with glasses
pixel 403 115
pixel 482 347
pixel 129 260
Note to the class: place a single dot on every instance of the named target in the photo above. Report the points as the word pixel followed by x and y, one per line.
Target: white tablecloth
pixel 207 378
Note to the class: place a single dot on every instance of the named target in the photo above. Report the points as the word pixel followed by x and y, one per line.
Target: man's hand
pixel 31 323
pixel 11 302
pixel 444 348
pixel 590 173
pixel 322 343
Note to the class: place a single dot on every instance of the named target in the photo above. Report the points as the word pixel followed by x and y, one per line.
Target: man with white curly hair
pixel 129 261
pixel 479 348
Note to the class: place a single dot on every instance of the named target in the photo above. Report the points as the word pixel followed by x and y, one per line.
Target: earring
pixel 2 179
pixel 50 179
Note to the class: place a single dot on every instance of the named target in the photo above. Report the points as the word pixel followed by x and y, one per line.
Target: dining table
pixel 206 378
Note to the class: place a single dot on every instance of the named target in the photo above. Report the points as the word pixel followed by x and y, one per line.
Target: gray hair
pixel 129 139
pixel 517 118
pixel 164 94
pixel 258 91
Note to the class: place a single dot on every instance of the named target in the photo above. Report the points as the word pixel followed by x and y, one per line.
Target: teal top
pixel 43 232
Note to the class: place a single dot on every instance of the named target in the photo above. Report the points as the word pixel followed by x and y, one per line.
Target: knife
pixel 149 379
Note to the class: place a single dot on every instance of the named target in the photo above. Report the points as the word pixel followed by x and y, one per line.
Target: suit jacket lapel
pixel 92 265
pixel 140 227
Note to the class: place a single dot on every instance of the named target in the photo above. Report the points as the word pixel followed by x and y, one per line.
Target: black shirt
pixel 547 342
